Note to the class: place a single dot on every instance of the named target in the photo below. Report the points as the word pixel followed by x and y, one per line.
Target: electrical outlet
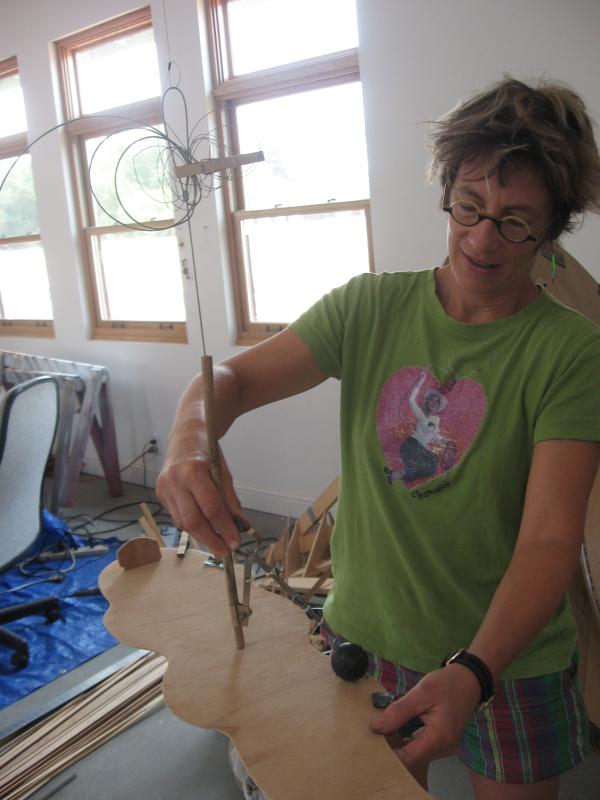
pixel 152 444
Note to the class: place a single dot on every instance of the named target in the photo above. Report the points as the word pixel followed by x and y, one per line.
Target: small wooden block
pixel 137 552
pixel 184 541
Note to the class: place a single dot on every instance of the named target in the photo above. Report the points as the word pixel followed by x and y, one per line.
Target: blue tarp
pixel 77 636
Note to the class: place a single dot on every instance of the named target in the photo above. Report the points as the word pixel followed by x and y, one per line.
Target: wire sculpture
pixel 180 179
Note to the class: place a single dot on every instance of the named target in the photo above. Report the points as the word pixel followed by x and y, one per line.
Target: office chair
pixel 28 420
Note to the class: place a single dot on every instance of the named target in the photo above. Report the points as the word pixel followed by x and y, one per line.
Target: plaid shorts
pixel 533 730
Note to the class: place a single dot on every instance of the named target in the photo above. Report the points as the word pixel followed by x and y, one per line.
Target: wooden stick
pixel 156 534
pixel 215 471
pixel 149 531
pixel 209 165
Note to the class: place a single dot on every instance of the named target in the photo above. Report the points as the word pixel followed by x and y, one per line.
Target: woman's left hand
pixel 445 700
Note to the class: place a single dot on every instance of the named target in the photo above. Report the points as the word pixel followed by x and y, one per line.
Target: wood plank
pixel 320 547
pixel 306 542
pixel 36 755
pixel 323 503
pixel 39 713
pixel 293 556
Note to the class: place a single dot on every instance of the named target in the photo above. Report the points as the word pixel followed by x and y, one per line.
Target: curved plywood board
pixel 301 731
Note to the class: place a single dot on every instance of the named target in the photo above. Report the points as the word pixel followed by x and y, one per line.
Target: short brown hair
pixel 516 125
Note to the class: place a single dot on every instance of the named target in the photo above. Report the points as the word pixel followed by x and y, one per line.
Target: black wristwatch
pixel 481 672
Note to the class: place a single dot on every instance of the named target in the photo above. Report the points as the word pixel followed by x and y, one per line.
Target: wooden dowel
pixel 156 534
pixel 215 472
pixel 150 531
pixel 209 165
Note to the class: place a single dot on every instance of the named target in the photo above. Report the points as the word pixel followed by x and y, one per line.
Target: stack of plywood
pixel 31 758
pixel 302 553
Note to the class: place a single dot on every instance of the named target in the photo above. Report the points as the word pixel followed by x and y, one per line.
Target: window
pixel 111 90
pixel 25 306
pixel 287 82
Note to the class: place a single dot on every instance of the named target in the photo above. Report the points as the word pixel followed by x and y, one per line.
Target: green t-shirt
pixel 438 423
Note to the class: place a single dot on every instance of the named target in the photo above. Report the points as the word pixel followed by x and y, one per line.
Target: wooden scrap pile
pixel 303 553
pixel 33 757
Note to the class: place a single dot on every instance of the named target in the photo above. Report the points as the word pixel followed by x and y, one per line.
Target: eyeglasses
pixel 513 229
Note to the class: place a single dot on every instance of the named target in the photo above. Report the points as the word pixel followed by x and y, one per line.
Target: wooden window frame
pixel 79 130
pixel 12 147
pixel 230 92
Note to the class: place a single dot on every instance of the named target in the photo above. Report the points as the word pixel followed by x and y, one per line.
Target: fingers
pixel 421 748
pixel 197 507
pixel 443 705
pixel 397 714
pixel 206 518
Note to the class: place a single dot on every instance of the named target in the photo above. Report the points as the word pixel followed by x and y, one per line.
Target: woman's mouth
pixel 485 265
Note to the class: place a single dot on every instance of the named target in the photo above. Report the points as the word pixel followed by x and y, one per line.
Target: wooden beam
pixel 209 165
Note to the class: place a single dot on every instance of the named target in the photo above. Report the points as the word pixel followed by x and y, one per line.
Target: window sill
pixel 39 330
pixel 149 332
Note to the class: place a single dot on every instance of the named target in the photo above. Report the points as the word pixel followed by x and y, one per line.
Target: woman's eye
pixel 515 224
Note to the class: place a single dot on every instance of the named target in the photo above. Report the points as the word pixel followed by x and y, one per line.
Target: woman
pixel 480 559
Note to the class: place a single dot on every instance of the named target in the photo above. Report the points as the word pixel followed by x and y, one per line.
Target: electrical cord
pixel 58 577
pixel 147 449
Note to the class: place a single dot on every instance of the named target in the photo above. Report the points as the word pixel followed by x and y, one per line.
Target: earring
pixel 553 259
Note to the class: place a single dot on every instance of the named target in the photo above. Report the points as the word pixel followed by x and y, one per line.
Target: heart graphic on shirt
pixel 425 428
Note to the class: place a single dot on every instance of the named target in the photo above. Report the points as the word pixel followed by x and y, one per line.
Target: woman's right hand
pixel 279 367
pixel 186 488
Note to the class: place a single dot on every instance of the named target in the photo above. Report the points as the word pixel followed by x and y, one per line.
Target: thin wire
pixel 197 288
pixel 167 35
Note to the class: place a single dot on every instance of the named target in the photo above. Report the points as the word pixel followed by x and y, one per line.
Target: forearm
pixel 546 553
pixel 189 426
pixel 526 600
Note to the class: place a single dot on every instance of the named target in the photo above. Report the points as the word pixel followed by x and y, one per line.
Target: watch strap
pixel 481 671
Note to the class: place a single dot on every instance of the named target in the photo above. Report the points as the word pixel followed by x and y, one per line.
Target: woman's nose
pixel 486 235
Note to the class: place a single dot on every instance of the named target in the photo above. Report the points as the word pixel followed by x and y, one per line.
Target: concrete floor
pixel 162 757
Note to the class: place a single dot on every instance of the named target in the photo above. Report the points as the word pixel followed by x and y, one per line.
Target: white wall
pixel 418 57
